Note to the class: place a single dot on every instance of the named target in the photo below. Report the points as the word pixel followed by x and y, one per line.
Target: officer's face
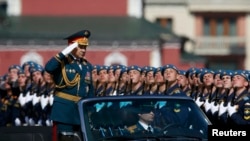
pixel 80 51
pixel 147 117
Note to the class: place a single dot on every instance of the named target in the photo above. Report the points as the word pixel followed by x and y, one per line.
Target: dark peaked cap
pixel 81 37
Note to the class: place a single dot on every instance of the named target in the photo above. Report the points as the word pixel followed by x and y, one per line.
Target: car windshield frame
pixel 102 118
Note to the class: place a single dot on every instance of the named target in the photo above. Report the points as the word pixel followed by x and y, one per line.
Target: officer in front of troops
pixel 72 75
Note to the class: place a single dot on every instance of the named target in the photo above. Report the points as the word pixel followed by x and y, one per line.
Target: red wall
pixel 10 57
pixel 74 7
pixel 140 57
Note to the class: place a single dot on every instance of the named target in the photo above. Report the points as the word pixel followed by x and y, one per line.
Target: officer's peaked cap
pixel 81 37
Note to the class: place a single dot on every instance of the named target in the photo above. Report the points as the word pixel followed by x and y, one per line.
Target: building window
pixel 219 26
pixel 165 23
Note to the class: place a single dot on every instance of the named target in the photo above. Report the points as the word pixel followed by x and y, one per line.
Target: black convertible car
pixel 116 118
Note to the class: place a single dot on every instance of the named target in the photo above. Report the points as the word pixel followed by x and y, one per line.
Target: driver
pixel 144 125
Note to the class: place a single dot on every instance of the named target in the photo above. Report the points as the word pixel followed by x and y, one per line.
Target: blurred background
pixel 187 33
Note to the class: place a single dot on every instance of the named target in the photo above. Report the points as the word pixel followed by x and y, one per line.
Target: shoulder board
pixel 132 128
pixel 177 90
pixel 245 98
pixel 247 104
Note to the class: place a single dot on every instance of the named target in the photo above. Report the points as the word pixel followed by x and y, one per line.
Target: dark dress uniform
pixel 242 116
pixel 73 81
pixel 139 129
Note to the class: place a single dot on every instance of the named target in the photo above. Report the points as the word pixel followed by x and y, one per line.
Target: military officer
pixel 146 118
pixel 72 75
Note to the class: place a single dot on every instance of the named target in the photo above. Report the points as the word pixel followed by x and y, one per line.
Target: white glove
pixel 51 99
pixel 44 101
pixel 214 107
pixel 36 99
pixel 29 97
pixel 17 122
pixel 22 100
pixel 222 109
pixel 69 48
pixel 31 122
pixel 48 122
pixel 207 105
pixel 199 102
pixel 231 109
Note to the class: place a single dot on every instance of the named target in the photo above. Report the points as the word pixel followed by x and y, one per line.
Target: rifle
pixel 216 99
pixel 233 97
pixel 210 98
pixel 226 97
pixel 166 89
pixel 130 87
pixel 143 87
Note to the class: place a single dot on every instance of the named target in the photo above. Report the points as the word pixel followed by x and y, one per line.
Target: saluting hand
pixel 69 48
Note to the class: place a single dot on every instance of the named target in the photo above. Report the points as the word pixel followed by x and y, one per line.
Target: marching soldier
pixel 161 84
pixel 101 86
pixel 9 96
pixel 183 82
pixel 112 82
pixel 72 76
pixel 151 86
pixel 239 108
pixel 170 73
pixel 225 97
pixel 95 76
pixel 122 81
pixel 47 99
pixel 136 80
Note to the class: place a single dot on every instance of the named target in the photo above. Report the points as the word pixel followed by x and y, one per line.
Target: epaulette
pixel 176 91
pixel 132 128
pixel 57 58
pixel 247 111
pixel 246 98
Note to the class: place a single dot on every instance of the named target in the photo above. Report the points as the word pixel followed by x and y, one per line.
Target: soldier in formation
pixel 217 92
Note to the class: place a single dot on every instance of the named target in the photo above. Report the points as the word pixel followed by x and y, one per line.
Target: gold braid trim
pixel 57 58
pixel 69 83
pixel 59 86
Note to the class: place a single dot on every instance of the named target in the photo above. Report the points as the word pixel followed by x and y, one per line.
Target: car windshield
pixel 133 118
